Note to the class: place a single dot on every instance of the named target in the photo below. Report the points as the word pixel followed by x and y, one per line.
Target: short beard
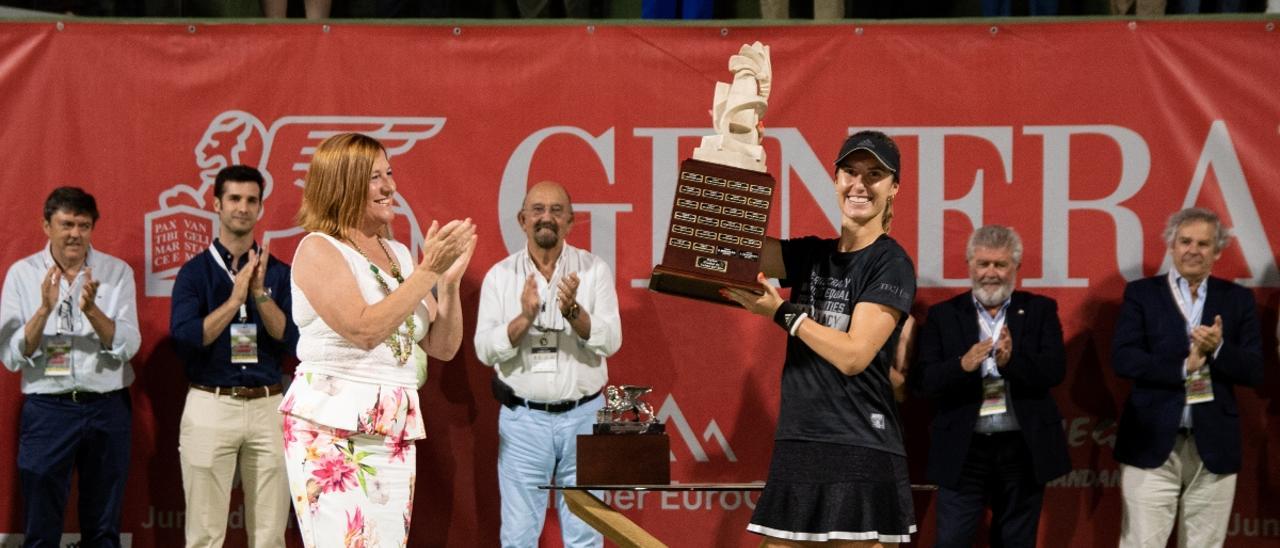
pixel 544 240
pixel 992 298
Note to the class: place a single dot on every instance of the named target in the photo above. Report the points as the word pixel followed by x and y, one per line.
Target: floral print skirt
pixel 349 489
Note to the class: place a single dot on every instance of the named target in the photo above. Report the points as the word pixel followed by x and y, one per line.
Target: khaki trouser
pixel 217 434
pixel 1152 500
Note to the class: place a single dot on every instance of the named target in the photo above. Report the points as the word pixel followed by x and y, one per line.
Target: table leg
pixel 613 524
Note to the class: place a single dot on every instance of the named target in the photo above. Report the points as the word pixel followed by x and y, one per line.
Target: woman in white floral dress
pixel 366 314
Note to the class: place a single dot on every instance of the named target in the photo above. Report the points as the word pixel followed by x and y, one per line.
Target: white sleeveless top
pixel 341 385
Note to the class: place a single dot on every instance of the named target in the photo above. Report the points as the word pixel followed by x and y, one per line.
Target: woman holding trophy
pixel 838 473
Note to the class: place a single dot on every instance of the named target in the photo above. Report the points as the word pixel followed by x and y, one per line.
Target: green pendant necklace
pixel 401 346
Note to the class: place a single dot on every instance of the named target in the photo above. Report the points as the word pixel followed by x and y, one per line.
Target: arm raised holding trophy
pixel 720 213
pixel 849 298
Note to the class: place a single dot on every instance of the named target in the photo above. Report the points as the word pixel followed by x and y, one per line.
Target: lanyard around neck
pixel 991 328
pixel 1191 312
pixel 217 257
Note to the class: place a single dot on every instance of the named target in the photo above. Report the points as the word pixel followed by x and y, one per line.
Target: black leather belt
pixel 513 401
pixel 241 392
pixel 1184 431
pixel 80 396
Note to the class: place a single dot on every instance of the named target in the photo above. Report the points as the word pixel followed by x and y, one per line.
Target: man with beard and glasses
pixel 1185 340
pixel 548 319
pixel 231 326
pixel 988 359
pixel 69 325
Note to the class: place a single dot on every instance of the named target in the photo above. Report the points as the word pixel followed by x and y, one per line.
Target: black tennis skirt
pixel 824 491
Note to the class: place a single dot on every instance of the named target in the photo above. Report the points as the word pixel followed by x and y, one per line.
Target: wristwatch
pixel 572 313
pixel 263 297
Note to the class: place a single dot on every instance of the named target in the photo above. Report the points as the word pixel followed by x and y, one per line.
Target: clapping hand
pixel 529 303
pixel 1206 338
pixel 453 276
pixel 89 292
pixel 445 244
pixel 567 290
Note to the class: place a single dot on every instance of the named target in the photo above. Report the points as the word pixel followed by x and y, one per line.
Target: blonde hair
pixel 336 190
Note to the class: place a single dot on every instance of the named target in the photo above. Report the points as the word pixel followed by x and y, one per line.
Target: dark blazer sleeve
pixel 1039 358
pixel 1239 360
pixel 1147 347
pixel 956 393
pixel 937 367
pixel 1038 363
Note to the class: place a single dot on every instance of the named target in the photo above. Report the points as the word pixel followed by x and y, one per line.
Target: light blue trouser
pixel 539 448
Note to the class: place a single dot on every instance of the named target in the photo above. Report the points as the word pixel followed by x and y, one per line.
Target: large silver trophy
pixel 625 413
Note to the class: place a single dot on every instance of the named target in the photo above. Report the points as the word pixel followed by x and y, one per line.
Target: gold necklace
pixel 400 347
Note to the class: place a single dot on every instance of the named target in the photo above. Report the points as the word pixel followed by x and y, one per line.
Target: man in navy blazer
pixel 988 358
pixel 1185 340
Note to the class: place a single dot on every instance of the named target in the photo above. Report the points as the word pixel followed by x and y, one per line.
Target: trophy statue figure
pixel 723 193
pixel 624 413
pixel 627 445
pixel 738 112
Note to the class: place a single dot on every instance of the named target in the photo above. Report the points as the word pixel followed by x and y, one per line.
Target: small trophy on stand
pixel 624 413
pixel 627 446
pixel 723 194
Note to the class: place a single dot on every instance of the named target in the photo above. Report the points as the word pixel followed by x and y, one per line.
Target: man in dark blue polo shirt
pixel 231 323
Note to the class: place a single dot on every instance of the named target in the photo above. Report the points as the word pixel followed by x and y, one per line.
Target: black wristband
pixel 788 314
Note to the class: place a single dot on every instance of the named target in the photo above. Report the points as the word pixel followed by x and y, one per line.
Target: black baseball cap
pixel 875 142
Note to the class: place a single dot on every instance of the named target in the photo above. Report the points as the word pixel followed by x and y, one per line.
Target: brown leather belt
pixel 241 392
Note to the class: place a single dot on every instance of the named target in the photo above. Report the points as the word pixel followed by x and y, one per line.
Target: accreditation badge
pixel 57 350
pixel 993 397
pixel 244 343
pixel 544 352
pixel 1199 386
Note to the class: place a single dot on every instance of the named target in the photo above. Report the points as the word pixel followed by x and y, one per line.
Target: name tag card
pixel 993 397
pixel 244 343
pixel 1199 386
pixel 57 348
pixel 544 353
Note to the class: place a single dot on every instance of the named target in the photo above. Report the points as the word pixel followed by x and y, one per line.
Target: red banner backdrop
pixel 1083 136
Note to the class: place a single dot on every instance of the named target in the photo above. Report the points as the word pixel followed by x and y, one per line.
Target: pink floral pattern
pixel 351 489
pixel 335 474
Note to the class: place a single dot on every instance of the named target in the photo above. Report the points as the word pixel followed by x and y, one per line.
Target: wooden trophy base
pixel 695 285
pixel 624 459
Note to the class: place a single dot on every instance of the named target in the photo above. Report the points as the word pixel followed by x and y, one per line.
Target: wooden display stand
pixel 616 459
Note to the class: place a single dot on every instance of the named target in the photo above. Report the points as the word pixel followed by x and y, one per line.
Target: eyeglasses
pixel 68 320
pixel 538 210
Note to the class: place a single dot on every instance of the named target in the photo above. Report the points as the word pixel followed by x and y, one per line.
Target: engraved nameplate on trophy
pixel 720 213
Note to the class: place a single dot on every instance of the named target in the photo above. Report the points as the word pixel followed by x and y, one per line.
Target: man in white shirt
pixel 69 324
pixel 548 319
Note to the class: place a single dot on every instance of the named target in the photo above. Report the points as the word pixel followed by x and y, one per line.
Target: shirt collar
pixel 1183 284
pixel 226 254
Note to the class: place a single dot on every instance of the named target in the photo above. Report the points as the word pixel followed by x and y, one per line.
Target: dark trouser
pixel 997 469
pixel 59 435
pixel 1004 8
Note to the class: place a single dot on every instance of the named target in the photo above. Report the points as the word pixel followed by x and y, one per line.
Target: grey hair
pixel 1191 214
pixel 995 237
